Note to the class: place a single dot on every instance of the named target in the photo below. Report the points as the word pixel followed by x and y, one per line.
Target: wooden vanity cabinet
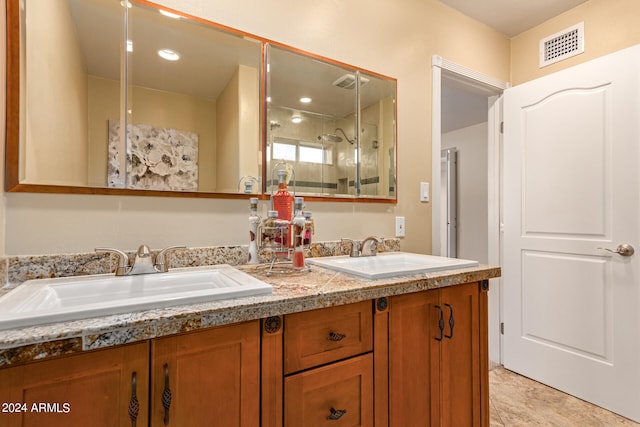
pixel 418 359
pixel 102 388
pixel 208 377
pixel 438 370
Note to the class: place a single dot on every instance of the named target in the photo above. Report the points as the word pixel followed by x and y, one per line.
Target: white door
pixel 571 187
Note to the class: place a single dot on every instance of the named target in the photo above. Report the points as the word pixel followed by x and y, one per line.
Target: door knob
pixel 624 249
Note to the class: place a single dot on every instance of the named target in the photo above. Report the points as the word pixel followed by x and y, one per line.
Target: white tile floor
pixel 518 401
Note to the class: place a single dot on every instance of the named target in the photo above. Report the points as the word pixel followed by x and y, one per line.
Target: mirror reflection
pixel 192 117
pixel 314 108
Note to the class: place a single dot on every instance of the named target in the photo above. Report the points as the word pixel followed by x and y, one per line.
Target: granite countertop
pixel 295 292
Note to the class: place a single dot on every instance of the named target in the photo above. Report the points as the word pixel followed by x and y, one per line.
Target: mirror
pixel 93 109
pixel 192 125
pixel 314 107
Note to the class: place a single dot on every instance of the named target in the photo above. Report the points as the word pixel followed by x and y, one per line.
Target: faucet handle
pixel 161 264
pixel 123 259
pixel 143 252
pixel 354 247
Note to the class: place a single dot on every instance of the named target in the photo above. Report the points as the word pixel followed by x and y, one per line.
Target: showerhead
pixel 330 138
pixel 350 141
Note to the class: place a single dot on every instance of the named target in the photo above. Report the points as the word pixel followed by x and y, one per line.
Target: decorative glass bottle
pixel 309 230
pixel 268 238
pixel 283 200
pixel 254 221
pixel 298 234
pixel 283 204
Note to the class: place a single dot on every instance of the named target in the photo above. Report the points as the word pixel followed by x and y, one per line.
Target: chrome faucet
pixel 370 249
pixel 367 248
pixel 143 262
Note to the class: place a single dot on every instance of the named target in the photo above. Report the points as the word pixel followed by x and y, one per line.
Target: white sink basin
pixel 54 300
pixel 389 264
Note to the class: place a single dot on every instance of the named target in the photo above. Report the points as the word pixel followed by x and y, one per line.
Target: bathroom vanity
pixel 325 348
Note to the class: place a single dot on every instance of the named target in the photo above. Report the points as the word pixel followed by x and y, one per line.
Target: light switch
pixel 424 191
pixel 400 226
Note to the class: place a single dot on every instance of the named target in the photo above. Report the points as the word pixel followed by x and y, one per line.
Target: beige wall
pixel 249 110
pixel 609 25
pixel 238 129
pixel 393 38
pixel 104 104
pixel 57 82
pixel 228 136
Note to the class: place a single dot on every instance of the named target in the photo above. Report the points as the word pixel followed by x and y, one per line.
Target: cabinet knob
pixel 336 414
pixel 334 336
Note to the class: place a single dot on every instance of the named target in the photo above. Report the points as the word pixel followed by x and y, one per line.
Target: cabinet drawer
pixel 340 394
pixel 321 336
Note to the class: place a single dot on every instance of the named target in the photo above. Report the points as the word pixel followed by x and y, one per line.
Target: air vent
pixel 348 81
pixel 562 45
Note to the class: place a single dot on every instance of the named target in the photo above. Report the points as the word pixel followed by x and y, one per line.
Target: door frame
pixel 493 88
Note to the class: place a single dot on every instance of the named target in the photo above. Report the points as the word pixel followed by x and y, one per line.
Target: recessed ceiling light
pixel 169 54
pixel 268 99
pixel 126 3
pixel 296 119
pixel 305 100
pixel 170 14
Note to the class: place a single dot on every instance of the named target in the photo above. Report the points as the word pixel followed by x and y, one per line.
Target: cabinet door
pixel 414 353
pixel 339 394
pixel 212 377
pixel 460 356
pixel 92 389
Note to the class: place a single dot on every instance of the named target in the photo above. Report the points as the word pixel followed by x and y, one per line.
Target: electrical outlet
pixel 400 226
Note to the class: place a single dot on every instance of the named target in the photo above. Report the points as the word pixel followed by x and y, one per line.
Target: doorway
pixel 466 115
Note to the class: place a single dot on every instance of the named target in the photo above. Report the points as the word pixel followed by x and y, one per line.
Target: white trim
pixel 468 73
pixel 491 87
pixel 494 224
pixel 436 146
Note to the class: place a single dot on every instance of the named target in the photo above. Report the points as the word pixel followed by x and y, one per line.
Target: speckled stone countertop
pixel 296 292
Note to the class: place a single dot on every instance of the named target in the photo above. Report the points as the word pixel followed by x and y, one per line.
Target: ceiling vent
pixel 562 45
pixel 348 81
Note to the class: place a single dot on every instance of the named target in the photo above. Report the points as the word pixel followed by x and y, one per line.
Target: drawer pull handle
pixel 336 414
pixel 134 405
pixel 334 336
pixel 451 321
pixel 440 323
pixel 166 395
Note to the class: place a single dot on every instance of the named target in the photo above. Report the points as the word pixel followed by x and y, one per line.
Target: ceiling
pixel 512 17
pixel 461 107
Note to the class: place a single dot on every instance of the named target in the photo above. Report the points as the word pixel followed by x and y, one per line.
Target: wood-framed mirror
pixel 93 109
